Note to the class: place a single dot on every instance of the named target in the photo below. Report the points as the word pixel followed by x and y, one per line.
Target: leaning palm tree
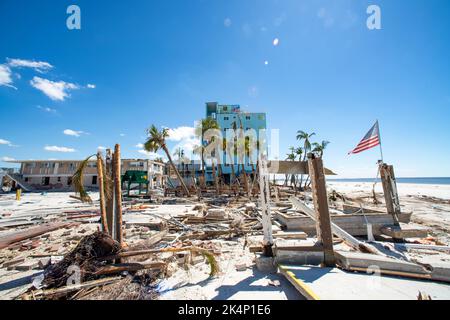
pixel 305 137
pixel 157 140
pixel 319 148
pixel 202 127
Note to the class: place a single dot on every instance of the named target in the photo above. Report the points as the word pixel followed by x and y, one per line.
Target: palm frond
pixel 78 178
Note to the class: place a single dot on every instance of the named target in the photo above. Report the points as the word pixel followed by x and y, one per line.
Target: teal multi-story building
pixel 231 117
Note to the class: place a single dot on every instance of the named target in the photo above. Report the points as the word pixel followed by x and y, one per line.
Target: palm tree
pixel 157 140
pixel 231 154
pixel 305 137
pixel 319 148
pixel 179 153
pixel 202 127
pixel 290 157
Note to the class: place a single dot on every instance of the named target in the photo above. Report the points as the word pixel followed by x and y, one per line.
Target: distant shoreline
pixel 420 180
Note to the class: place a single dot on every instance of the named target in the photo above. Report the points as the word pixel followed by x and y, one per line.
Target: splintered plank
pixel 31 233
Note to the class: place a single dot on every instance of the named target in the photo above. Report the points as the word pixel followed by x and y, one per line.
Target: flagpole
pixel 379 138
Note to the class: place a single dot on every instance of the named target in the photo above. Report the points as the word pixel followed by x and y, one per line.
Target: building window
pixel 94 180
pixel 69 181
pixel 45 181
pixel 226 118
pixel 26 179
pixel 225 108
pixel 247 117
pixel 59 179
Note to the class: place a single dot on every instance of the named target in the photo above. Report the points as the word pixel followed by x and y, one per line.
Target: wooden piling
pixel 390 191
pixel 320 198
pixel 118 194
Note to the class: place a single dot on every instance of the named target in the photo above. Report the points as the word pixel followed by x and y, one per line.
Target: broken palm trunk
pixel 117 195
pixel 101 186
pixel 265 206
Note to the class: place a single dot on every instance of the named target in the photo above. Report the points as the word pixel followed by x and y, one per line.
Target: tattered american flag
pixel 370 140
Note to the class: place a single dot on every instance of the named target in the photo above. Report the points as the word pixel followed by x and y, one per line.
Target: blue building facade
pixel 231 117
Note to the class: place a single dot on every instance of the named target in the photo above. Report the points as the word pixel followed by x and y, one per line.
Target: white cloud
pixel 3 141
pixel 47 109
pixel 73 133
pixel 140 146
pixel 54 90
pixel 39 66
pixel 58 149
pixel 150 155
pixel 6 159
pixel 181 133
pixel 276 42
pixel 91 86
pixel 5 76
pixel 7 143
pixel 185 138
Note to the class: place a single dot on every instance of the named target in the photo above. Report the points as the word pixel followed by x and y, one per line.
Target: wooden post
pixel 265 206
pixel 216 181
pixel 109 201
pixel 101 188
pixel 320 198
pixel 118 194
pixel 390 191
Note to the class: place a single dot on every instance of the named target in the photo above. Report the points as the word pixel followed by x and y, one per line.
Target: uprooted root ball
pixel 82 262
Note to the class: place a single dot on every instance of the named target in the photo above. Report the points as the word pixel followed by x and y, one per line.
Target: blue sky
pixel 158 62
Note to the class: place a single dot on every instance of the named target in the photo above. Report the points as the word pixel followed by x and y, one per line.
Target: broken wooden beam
pixel 354 224
pixel 404 231
pixel 31 233
pixel 339 232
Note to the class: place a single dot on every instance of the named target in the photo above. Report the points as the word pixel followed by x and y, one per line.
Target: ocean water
pixel 424 180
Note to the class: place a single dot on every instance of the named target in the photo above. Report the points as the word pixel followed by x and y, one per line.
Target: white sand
pixel 404 189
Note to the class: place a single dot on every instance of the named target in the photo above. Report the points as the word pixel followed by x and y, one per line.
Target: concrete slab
pixel 336 284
